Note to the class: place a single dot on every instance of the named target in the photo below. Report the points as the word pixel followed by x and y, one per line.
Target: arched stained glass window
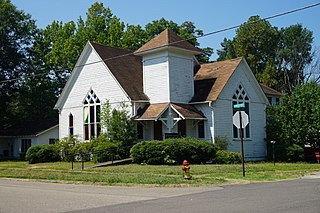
pixel 91 115
pixel 241 96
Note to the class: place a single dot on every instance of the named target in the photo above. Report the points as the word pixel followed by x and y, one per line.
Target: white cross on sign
pixel 236 119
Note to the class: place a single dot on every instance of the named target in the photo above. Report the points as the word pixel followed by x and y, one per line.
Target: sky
pixel 207 15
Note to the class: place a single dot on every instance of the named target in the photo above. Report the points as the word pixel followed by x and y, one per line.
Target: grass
pixel 147 175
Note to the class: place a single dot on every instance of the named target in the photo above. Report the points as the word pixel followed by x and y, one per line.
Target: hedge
pixel 42 153
pixel 173 151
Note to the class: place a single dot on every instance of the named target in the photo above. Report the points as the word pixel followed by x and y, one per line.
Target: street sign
pixel 236 119
pixel 239 107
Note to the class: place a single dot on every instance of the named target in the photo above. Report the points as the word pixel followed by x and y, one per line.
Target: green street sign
pixel 239 106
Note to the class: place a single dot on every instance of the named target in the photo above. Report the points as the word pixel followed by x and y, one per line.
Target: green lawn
pixel 133 175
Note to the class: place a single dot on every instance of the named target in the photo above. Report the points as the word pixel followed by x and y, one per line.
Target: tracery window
pixel 91 115
pixel 241 96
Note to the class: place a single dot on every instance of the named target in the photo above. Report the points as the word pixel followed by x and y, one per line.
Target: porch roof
pixel 28 128
pixel 154 111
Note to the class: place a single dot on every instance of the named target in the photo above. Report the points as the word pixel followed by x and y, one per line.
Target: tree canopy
pixel 277 57
pixel 17 33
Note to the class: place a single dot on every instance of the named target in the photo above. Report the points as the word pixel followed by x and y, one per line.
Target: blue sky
pixel 208 15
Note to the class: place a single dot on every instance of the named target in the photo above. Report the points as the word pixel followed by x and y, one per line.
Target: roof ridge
pixel 105 45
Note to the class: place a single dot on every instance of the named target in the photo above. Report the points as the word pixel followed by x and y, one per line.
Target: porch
pixel 167 120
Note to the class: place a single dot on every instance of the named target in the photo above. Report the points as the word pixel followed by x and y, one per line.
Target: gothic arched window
pixel 91 115
pixel 241 96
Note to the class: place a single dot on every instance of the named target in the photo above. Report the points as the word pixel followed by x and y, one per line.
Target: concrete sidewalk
pixel 29 196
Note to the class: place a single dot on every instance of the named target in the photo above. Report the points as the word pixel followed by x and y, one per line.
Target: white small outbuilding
pixel 167 92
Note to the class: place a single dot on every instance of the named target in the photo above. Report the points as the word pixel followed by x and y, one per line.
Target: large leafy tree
pixel 298 116
pixel 277 57
pixel 17 32
pixel 294 55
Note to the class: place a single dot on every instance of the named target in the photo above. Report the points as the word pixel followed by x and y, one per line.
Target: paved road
pixel 22 196
pixel 294 196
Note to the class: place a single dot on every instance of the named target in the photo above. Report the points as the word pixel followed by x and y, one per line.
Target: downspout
pixel 212 131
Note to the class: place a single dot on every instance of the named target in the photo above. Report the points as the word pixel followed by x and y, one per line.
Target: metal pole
pixel 273 155
pixel 242 150
pixel 82 162
pixel 72 162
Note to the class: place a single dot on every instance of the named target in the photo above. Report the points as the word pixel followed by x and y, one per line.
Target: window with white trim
pixel 241 96
pixel 91 115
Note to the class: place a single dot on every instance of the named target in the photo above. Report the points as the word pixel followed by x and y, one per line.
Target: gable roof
pixel 123 65
pixel 211 78
pixel 126 67
pixel 154 111
pixel 269 91
pixel 29 128
pixel 165 39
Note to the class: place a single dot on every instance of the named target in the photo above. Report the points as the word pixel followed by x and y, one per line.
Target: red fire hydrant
pixel 186 170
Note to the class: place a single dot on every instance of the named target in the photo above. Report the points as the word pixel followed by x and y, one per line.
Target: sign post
pixel 241 120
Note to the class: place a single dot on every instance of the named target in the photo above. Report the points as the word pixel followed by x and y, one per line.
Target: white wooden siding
pixel 155 78
pixel 44 138
pixel 255 146
pixel 181 78
pixel 96 77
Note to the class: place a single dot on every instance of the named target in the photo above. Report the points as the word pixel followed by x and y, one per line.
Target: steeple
pixel 168 62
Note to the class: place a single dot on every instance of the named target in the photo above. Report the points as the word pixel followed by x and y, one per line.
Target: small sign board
pixel 171 135
pixel 244 118
pixel 239 107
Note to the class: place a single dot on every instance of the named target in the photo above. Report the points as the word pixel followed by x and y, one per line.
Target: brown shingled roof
pixel 154 111
pixel 188 111
pixel 167 38
pixel 127 69
pixel 211 79
pixel 269 91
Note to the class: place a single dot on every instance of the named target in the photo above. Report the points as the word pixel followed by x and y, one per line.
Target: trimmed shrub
pixel 227 157
pixel 295 153
pixel 172 151
pixel 42 153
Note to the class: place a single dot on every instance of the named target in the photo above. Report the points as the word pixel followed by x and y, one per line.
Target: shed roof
pixel 28 128
pixel 269 91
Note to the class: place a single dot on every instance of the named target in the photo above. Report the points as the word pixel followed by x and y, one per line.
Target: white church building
pixel 167 92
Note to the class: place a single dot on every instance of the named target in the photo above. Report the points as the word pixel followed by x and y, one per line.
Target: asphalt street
pixel 301 195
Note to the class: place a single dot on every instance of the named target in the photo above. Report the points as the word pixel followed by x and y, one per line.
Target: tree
pixel 17 32
pixel 277 57
pixel 118 124
pixel 257 41
pixel 298 116
pixel 294 54
pixel 228 50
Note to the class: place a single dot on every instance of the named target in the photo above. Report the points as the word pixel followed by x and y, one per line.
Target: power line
pixel 196 37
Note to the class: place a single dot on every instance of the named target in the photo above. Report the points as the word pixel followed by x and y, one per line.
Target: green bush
pixel 221 143
pixel 227 157
pixel 173 151
pixel 65 146
pixel 295 153
pixel 42 153
pixel 105 150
